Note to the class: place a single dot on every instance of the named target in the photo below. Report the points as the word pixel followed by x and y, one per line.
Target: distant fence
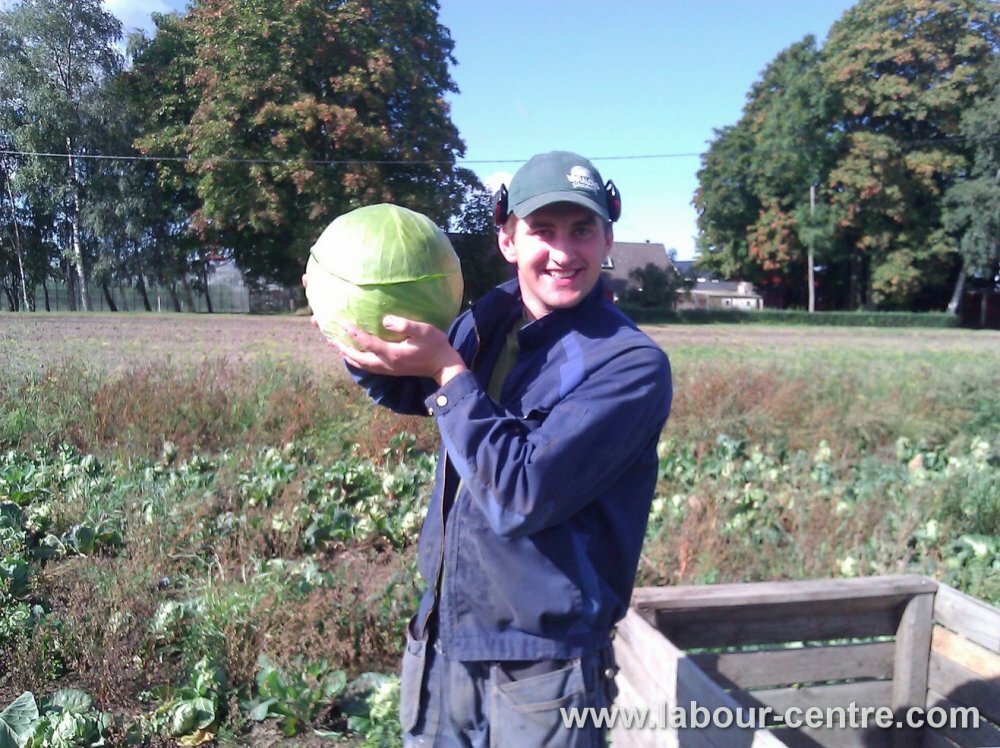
pixel 226 299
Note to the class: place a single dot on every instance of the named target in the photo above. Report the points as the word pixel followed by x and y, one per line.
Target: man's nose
pixel 561 246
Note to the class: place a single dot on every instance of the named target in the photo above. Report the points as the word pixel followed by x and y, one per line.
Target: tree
pixel 158 197
pixel 474 238
pixel 727 205
pixel 757 176
pixel 55 57
pixel 872 120
pixel 903 71
pixel 293 113
pixel 656 286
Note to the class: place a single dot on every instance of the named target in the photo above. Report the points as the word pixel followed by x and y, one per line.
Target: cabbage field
pixel 208 535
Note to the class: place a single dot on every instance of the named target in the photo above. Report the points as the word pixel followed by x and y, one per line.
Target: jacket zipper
pixel 438 583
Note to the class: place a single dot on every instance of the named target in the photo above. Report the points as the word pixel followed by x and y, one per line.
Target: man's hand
pixel 425 351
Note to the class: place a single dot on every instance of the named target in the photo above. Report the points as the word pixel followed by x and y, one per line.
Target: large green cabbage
pixel 379 260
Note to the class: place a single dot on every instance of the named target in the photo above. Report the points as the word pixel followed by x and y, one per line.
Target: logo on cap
pixel 581 179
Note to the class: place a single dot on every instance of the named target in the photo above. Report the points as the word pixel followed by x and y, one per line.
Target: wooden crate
pixel 896 642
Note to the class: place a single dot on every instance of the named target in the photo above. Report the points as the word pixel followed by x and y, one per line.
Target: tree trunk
pixel 189 296
pixel 70 288
pixel 17 247
pixel 955 305
pixel 45 290
pixel 74 190
pixel 108 296
pixel 854 276
pixel 812 254
pixel 145 295
pixel 173 295
pixel 11 298
pixel 208 296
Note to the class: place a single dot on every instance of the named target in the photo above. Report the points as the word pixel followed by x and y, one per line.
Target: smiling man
pixel 550 403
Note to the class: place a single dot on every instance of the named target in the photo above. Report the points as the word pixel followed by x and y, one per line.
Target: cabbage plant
pixel 382 260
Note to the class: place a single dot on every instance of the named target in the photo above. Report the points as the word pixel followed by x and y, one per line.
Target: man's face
pixel 558 251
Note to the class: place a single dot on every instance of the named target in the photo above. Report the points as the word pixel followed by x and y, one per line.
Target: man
pixel 550 403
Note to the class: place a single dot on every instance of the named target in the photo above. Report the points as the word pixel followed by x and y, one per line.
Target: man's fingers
pixel 407 328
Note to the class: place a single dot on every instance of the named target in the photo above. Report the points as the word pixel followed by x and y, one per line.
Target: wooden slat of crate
pixel 695 616
pixel 909 677
pixel 969 655
pixel 986 734
pixel 813 738
pixel 776 624
pixel 964 687
pixel 871 694
pixel 969 617
pixel 628 697
pixel 657 672
pixel 780 667
pixel 808 593
pixel 875 693
pixel 647 676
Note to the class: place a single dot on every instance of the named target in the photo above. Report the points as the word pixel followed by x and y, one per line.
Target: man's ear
pixel 505 241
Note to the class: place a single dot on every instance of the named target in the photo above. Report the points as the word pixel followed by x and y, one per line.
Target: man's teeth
pixel 562 273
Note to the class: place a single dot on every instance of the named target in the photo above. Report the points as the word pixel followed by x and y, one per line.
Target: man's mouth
pixel 562 274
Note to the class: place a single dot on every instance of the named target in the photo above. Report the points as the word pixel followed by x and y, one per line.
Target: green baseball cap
pixel 557 177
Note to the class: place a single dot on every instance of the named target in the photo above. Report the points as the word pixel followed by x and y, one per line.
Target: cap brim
pixel 529 206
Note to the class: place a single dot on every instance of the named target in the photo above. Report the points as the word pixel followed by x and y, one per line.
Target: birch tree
pixel 55 58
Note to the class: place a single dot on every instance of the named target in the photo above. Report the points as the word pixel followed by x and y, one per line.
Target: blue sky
pixel 614 81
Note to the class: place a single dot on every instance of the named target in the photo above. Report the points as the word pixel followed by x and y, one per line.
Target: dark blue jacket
pixel 539 507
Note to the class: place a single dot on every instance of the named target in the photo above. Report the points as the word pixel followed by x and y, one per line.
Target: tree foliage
pixel 972 204
pixel 656 286
pixel 874 120
pixel 293 113
pixel 238 131
pixel 474 238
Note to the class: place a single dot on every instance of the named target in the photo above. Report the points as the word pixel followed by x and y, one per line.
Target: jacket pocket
pixel 411 680
pixel 529 712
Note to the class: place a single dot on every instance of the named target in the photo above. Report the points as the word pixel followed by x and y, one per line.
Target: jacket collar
pixel 503 307
pixel 558 322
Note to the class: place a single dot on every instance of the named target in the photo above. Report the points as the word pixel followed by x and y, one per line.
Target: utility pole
pixel 812 244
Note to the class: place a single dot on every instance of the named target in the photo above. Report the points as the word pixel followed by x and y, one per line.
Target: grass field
pixel 181 495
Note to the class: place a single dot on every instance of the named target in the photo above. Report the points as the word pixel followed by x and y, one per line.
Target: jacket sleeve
pixel 528 479
pixel 404 395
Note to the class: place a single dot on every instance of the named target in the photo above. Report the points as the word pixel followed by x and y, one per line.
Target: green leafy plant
pixel 68 720
pixel 17 721
pixel 192 713
pixel 374 711
pixel 294 697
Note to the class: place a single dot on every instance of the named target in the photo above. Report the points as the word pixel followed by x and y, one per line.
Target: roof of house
pixel 628 256
pixel 724 288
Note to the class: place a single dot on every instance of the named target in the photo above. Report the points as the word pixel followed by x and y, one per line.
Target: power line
pixel 319 162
